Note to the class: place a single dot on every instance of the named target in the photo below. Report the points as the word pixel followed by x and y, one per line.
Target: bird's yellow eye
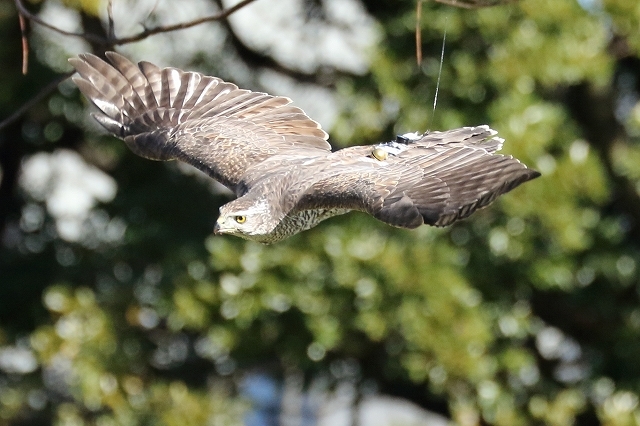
pixel 241 219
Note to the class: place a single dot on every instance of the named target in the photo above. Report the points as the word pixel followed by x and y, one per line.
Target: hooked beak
pixel 217 229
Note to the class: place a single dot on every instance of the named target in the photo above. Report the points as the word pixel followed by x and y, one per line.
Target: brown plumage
pixel 277 160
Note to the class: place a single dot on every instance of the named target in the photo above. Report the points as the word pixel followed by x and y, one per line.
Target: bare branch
pixel 475 4
pixel 25 44
pixel 33 18
pixel 151 31
pixel 419 32
pixel 112 41
pixel 257 59
pixel 111 32
pixel 43 93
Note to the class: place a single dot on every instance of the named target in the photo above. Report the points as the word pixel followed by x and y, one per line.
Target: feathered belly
pixel 301 221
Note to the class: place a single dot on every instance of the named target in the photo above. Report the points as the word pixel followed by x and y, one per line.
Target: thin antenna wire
pixel 435 98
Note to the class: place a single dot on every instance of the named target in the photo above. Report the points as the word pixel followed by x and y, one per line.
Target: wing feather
pixel 438 179
pixel 166 114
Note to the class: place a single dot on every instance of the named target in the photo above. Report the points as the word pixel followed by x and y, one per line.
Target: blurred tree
pixel 117 306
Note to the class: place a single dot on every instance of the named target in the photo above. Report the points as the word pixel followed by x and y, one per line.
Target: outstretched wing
pixel 433 179
pixel 166 114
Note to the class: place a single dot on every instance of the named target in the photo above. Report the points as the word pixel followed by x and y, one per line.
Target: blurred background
pixel 119 307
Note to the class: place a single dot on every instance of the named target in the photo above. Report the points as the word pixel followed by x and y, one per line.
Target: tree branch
pixel 43 93
pixel 163 29
pixel 109 40
pixel 474 4
pixel 261 60
pixel 419 32
pixel 110 26
pixel 23 11
pixel 25 44
pixel 112 41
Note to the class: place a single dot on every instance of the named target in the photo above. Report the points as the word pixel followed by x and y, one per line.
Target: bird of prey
pixel 277 160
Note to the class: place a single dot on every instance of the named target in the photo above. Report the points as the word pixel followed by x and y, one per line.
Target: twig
pixel 43 93
pixel 474 4
pixel 151 31
pixel 111 31
pixel 25 44
pixel 419 32
pixel 112 41
pixel 33 18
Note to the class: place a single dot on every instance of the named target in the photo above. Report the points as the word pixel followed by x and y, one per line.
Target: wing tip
pixel 113 126
pixel 75 61
pixel 532 174
pixel 114 56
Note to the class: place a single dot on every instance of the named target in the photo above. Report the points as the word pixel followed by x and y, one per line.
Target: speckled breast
pixel 301 221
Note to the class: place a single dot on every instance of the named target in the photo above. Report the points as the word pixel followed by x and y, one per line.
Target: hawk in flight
pixel 277 160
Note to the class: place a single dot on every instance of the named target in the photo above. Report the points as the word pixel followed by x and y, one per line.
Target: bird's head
pixel 247 218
